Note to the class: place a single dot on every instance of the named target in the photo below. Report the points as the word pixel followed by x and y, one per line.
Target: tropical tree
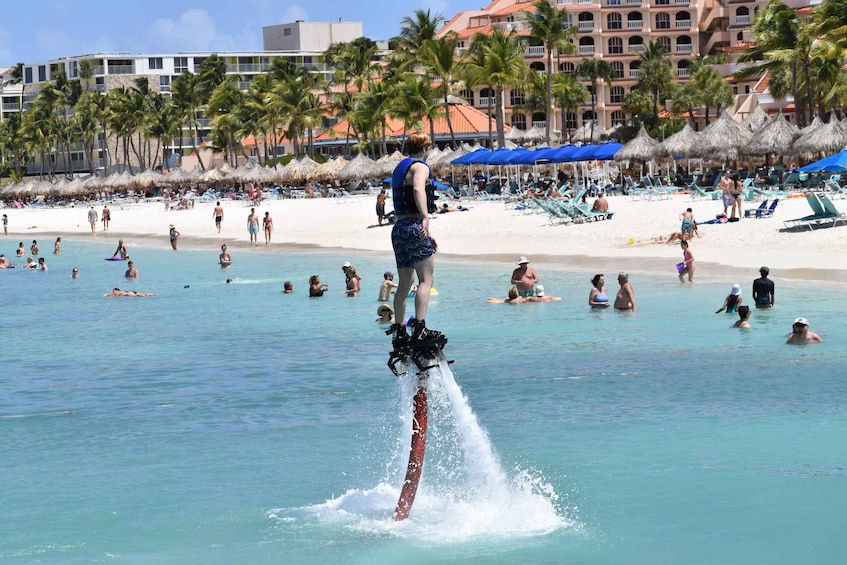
pixel 657 74
pixel 222 109
pixel 418 28
pixel 552 28
pixel 568 94
pixel 438 57
pixel 638 103
pixel 595 70
pixel 185 91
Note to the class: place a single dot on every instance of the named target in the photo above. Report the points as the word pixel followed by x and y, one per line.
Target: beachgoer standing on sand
pixel 525 278
pixel 687 263
pixel 92 219
pixel 5 224
pixel 224 259
pixel 268 225
pixel 131 271
pixel 57 247
pixel 763 290
pixel 386 287
pixel 380 206
pixel 218 215
pixel 725 187
pixel 174 235
pixel 688 223
pixel 414 247
pixel 253 226
pixel 625 299
pixel 800 333
pixel 106 217
pixel 736 192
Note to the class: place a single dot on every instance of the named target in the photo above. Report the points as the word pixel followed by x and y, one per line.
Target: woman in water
pixel 57 247
pixel 732 301
pixel 687 265
pixel 121 250
pixel 598 298
pixel 353 285
pixel 744 317
pixel 316 288
pixel 224 259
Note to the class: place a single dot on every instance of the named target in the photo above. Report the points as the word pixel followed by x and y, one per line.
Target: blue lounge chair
pixel 755 212
pixel 769 212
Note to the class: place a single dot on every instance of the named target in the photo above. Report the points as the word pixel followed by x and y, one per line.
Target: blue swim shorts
pixel 409 247
pixel 254 228
pixel 526 293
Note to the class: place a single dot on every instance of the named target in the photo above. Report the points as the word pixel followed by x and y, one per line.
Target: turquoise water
pixel 235 424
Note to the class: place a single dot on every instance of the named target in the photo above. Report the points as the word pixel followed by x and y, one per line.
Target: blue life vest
pixel 404 194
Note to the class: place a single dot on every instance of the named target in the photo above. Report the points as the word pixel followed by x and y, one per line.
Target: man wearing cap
pixel 540 296
pixel 346 267
pixel 525 278
pixel 625 299
pixel 763 290
pixel 386 287
pixel 800 333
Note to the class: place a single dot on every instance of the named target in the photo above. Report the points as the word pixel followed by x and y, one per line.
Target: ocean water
pixel 231 423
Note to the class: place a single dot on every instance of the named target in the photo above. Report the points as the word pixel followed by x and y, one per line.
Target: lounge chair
pixel 833 212
pixel 697 192
pixel 821 216
pixel 754 213
pixel 769 212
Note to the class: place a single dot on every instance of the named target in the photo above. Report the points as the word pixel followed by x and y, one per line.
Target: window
pixel 164 83
pixel 570 120
pixel 616 95
pixel 28 75
pixel 537 67
pixel 618 118
pixel 516 97
pixel 567 67
pixel 665 42
pixel 617 69
pixel 286 32
pixel 740 36
pixel 155 63
pixel 42 73
pixel 198 61
pixel 663 21
pixel 613 21
pixel 467 94
pixel 615 46
pixel 180 64
pixel 519 121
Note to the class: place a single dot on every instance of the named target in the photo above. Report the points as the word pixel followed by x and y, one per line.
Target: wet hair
pixel 287 285
pixel 314 279
pixel 743 312
pixel 417 142
pixel 596 279
pixel 764 271
pixel 513 292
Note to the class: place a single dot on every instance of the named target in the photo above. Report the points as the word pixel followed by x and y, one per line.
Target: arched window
pixel 634 20
pixel 683 44
pixel 665 42
pixel 586 46
pixel 615 46
pixel 742 11
pixel 567 67
pixel 616 95
pixel 682 20
pixel 617 69
pixel 613 21
pixel 516 97
pixel 740 36
pixel 539 119
pixel 663 20
pixel 618 118
pixel 585 21
pixel 519 121
pixel 682 70
pixel 537 67
pixel 636 44
pixel 635 69
pixel 468 95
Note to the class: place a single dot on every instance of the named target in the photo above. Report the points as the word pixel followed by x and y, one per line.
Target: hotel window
pixel 42 73
pixel 617 69
pixel 519 121
pixel 516 97
pixel 616 95
pixel 570 121
pixel 614 21
pixel 28 75
pixel 286 32
pixel 663 21
pixel 164 83
pixel 180 65
pixel 567 67
pixel 618 118
pixel 198 61
pixel 615 46
pixel 665 42
pixel 155 63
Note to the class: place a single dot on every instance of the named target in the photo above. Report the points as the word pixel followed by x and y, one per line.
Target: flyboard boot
pixel 426 345
pixel 401 345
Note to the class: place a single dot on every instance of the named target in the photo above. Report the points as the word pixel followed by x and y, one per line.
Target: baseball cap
pixel 346 264
pixel 539 290
pixel 803 321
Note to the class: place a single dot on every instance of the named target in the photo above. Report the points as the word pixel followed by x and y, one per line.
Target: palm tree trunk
pixel 194 146
pixel 490 128
pixel 449 121
pixel 501 138
pixel 551 117
pixel 810 98
pixel 799 111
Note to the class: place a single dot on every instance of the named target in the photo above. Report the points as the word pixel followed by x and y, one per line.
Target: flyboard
pixel 416 361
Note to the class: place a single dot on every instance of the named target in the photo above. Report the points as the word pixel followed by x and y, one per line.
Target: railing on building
pixel 682 24
pixel 636 48
pixel 634 24
pixel 536 50
pixel 586 50
pixel 633 2
pixel 684 49
pixel 539 124
pixel 681 2
pixel 743 20
pixel 586 25
pixel 121 69
pixel 11 106
pixel 683 73
pixel 634 73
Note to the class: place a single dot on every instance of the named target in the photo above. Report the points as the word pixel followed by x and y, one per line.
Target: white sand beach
pixel 489 230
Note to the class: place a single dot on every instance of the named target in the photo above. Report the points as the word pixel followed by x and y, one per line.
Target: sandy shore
pixel 490 231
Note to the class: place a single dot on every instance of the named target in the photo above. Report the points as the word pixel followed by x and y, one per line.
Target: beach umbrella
pixel 178 176
pixel 680 143
pixel 816 123
pixel 119 181
pixel 361 167
pixel 641 148
pixel 774 138
pixel 833 164
pixel 301 168
pixel 328 170
pixel 477 156
pixel 828 138
pixel 755 119
pixel 535 134
pixel 147 178
pixel 432 157
pixel 514 134
pixel 387 163
pixel 722 139
pixel 583 134
pixel 212 176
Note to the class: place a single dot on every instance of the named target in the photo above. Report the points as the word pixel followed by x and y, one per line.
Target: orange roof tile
pixel 471 31
pixel 514 8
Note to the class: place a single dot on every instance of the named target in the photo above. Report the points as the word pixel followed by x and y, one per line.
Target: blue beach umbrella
pixel 471 158
pixel 836 163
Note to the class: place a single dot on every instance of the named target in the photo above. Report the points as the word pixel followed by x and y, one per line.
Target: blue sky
pixel 33 31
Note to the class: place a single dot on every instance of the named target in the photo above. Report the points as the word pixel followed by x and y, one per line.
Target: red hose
pixel 416 457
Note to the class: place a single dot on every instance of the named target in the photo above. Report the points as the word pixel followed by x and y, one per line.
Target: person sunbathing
pixel 119 292
pixel 514 298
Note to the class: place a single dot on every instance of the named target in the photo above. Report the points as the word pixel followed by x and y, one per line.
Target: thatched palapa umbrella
pixel 829 138
pixel 387 163
pixel 361 167
pixel 816 123
pixel 680 143
pixel 212 176
pixel 300 169
pixel 755 119
pixel 147 179
pixel 641 148
pixel 723 139
pixel 328 170
pixel 179 176
pixel 774 138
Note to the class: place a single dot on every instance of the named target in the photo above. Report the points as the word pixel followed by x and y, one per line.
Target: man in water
pixel 525 278
pixel 218 214
pixel 800 333
pixel 763 290
pixel 625 299
pixel 386 287
pixel 131 271
pixel 414 247
pixel 253 226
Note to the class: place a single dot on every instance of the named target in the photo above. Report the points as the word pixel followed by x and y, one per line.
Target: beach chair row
pixel 568 211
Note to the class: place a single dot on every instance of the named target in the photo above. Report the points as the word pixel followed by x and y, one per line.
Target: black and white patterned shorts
pixel 409 247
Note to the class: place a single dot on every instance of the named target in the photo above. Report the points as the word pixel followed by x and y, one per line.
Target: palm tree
pixel 86 73
pixel 475 74
pixel 438 57
pixel 657 75
pixel 419 28
pixel 551 27
pixel 185 92
pixel 502 56
pixel 87 122
pixel 569 94
pixel 222 108
pixel 595 70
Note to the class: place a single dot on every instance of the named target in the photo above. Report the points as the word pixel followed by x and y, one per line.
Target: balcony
pixel 743 20
pixel 586 25
pixel 564 2
pixel 586 50
pixel 613 2
pixel 542 124
pixel 635 24
pixel 634 73
pixel 633 2
pixel 683 73
pixel 681 2
pixel 483 101
pixel 584 2
pixel 121 70
pixel 536 50
pixel 11 106
pixel 506 27
pixel 164 88
pixel 682 24
pixel 204 123
pixel 248 68
pixel 636 49
pixel 683 49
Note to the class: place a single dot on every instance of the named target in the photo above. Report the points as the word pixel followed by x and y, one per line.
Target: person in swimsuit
pixel 174 235
pixel 725 186
pixel 737 197
pixel 414 247
pixel 598 298
pixel 224 259
pixel 34 248
pixel 20 252
pixel 800 334
pixel 687 265
pixel 380 206
pixel 5 263
pixel 687 227
pixel 106 217
pixel 625 299
pixel 541 296
pixel 253 226
pixel 287 287
pixel 514 298
pixel 75 273
pixel 42 265
pixel 732 301
pixel 268 224
pixel 5 224
pixel 218 214
pixel 525 278
pixel 386 287
pixel 744 316
pixel 131 271
pixel 353 285
pixel 386 314
pixel 57 247
pixel 121 250
pixel 119 292
pixel 316 287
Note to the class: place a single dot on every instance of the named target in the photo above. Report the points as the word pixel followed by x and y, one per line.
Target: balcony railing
pixel 536 50
pixel 204 123
pixel 683 73
pixel 633 2
pixel 11 106
pixel 682 24
pixel 248 68
pixel 586 25
pixel 636 48
pixel 483 101
pixel 539 124
pixel 683 49
pixel 587 1
pixel 681 2
pixel 509 26
pixel 634 73
pixel 121 69
pixel 164 88
pixel 743 20
pixel 613 2
pixel 586 50
pixel 564 2
pixel 635 24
